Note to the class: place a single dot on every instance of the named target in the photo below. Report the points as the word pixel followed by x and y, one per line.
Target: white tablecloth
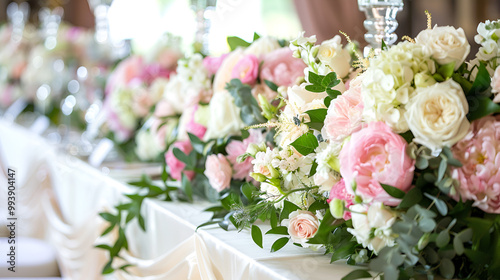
pixel 59 200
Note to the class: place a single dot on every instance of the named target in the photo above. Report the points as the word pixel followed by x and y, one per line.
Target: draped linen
pixel 63 209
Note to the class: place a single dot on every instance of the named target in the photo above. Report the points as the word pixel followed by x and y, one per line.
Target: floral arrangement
pixel 393 163
pixel 132 91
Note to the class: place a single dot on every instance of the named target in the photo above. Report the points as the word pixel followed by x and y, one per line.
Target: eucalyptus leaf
pixel 458 245
pixel 443 239
pixel 447 268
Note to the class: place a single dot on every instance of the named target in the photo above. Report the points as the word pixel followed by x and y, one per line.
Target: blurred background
pixel 146 20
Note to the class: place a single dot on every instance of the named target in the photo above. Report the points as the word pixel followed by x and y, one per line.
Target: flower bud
pixel 424 80
pixel 258 177
pixel 337 208
pixel 296 54
pixel 252 149
pixel 334 163
pixel 423 241
pixel 268 110
pixel 274 172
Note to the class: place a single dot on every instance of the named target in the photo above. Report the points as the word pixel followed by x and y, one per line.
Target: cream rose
pixel 224 117
pixel 446 44
pixel 147 147
pixel 437 115
pixel 331 53
pixel 302 225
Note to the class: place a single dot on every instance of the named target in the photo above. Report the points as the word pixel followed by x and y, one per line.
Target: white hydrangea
pixel 387 83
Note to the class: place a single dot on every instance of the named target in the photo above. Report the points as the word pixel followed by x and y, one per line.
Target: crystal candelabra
pixel 380 22
pixel 204 10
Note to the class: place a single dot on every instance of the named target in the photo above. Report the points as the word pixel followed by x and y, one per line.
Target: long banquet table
pixel 60 196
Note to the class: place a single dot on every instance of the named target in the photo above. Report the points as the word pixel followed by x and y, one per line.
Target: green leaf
pixel 186 187
pixel 196 142
pixel 103 246
pixel 446 70
pixel 305 144
pixel 458 245
pixel 107 268
pixel 327 101
pixel 315 79
pixel 314 88
pixel 273 220
pixel 411 198
pixel 442 169
pixel 278 230
pixel 247 190
pixel 255 36
pixel 180 155
pixel 288 208
pixel 343 251
pixel 109 217
pixel 108 229
pixel 384 46
pixel 235 42
pixel 333 93
pixel 482 82
pixel 271 85
pixel 257 235
pixel 408 136
pixel 325 229
pixel 317 115
pixel 318 205
pixel 443 239
pixel 330 80
pixel 447 268
pixel 393 191
pixel 481 106
pixel 278 244
pixel 357 274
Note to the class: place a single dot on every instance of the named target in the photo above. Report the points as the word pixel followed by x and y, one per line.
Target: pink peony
pixel 213 63
pixel 339 191
pixel 246 69
pixel 302 225
pixel 237 148
pixel 176 166
pixel 376 155
pixel 479 153
pixel 495 85
pixel 281 68
pixel 195 128
pixel 345 114
pixel 218 171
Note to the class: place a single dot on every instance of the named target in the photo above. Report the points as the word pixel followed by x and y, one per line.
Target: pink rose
pixel 213 63
pixel 339 191
pixel 125 73
pixel 121 132
pixel 246 69
pixel 302 225
pixel 281 68
pixel 345 115
pixel 142 102
pixel 218 171
pixel 479 177
pixel 495 85
pixel 376 155
pixel 223 75
pixel 153 71
pixel 237 148
pixel 168 58
pixel 176 166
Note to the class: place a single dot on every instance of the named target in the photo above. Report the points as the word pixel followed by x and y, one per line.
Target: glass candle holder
pixel 380 22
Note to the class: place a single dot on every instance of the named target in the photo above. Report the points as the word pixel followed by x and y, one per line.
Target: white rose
pixel 331 53
pixel 437 115
pixel 224 116
pixel 224 74
pixel 147 147
pixel 372 226
pixel 299 96
pixel 262 46
pixel 446 44
pixel 302 226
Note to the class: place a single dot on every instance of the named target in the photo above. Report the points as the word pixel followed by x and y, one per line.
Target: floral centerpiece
pixel 395 165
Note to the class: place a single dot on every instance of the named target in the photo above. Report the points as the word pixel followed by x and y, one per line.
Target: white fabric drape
pixel 63 209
